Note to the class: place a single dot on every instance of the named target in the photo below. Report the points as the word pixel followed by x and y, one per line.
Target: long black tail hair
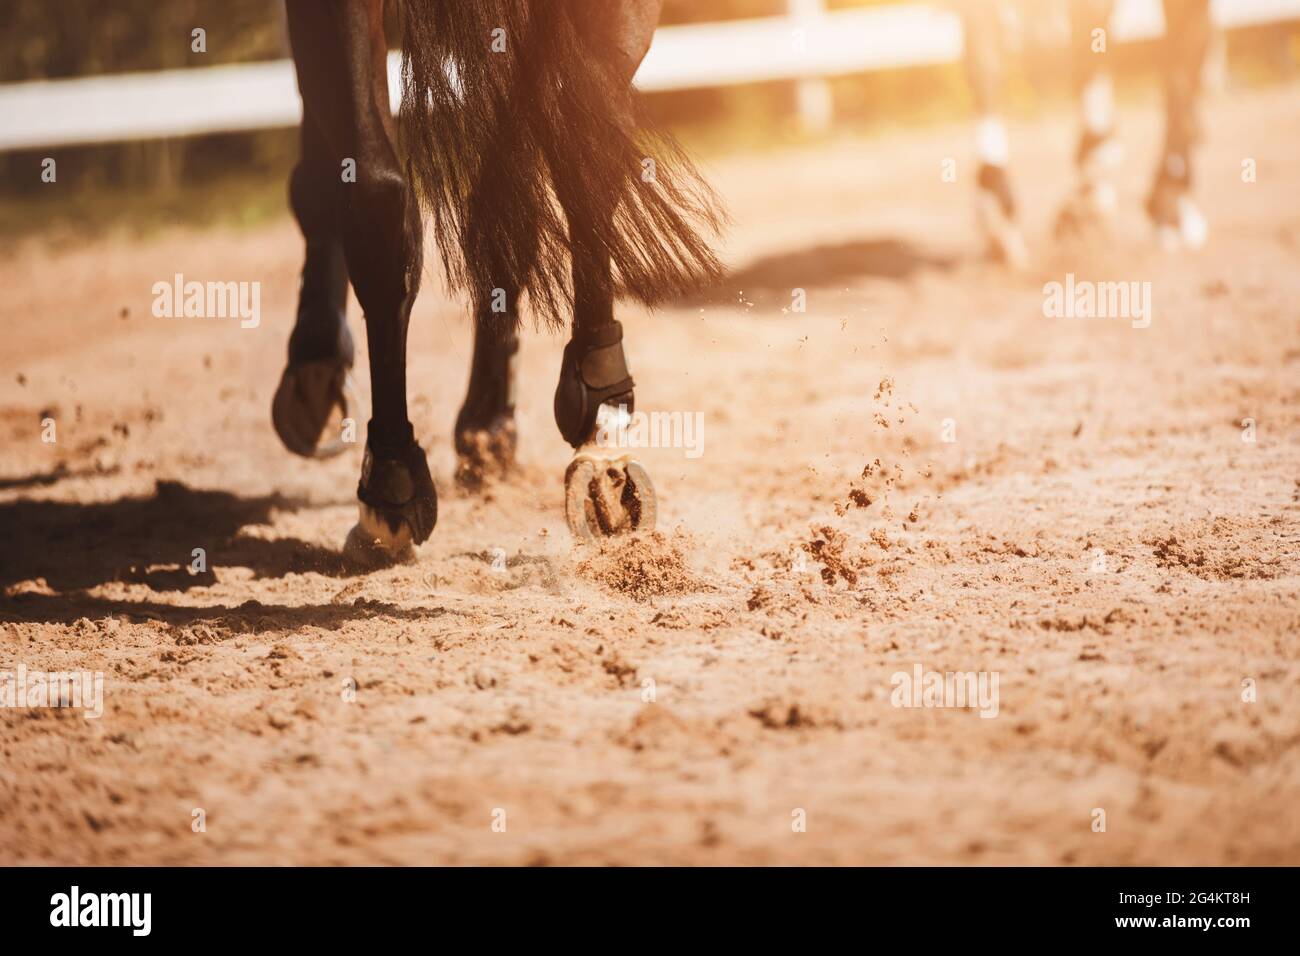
pixel 514 126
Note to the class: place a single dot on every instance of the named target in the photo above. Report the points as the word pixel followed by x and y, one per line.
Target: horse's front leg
pixel 486 437
pixel 341 56
pixel 316 400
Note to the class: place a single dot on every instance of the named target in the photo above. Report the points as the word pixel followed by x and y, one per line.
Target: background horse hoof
pixel 373 543
pixel 1087 214
pixel 485 453
pixel 603 498
pixel 313 401
pixel 1188 230
pixel 1004 240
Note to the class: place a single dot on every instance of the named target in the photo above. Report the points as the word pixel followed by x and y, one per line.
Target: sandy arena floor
pixel 1099 535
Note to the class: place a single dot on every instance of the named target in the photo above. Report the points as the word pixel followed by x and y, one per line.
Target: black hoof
pixel 317 408
pixel 399 504
pixel 485 452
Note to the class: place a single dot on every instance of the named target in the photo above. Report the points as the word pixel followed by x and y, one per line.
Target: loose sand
pixel 1099 535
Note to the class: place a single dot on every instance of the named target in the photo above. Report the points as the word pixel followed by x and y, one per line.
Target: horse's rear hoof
pixel 1184 229
pixel 483 454
pixel 608 497
pixel 312 406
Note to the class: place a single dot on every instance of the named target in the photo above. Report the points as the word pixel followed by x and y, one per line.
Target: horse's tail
pixel 510 118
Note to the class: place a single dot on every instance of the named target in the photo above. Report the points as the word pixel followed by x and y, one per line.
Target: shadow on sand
pixel 772 277
pixel 75 546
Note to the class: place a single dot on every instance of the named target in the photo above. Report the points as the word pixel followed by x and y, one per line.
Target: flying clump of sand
pixel 641 566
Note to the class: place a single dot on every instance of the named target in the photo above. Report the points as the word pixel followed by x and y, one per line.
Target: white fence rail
pixel 806 45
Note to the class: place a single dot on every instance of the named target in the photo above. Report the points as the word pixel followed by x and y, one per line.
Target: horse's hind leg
pixel 485 435
pixel 316 396
pixel 607 492
pixel 341 57
pixel 485 428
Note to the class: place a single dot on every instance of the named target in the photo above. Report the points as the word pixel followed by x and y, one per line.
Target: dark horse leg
pixel 485 428
pixel 606 491
pixel 618 33
pixel 540 108
pixel 485 435
pixel 341 57
pixel 316 384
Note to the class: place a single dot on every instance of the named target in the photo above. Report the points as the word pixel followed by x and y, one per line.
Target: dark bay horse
pixel 520 141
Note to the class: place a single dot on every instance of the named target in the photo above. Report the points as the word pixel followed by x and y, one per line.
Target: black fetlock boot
pixel 593 373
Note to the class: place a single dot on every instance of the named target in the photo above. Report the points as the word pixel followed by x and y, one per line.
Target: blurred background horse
pixel 991 28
